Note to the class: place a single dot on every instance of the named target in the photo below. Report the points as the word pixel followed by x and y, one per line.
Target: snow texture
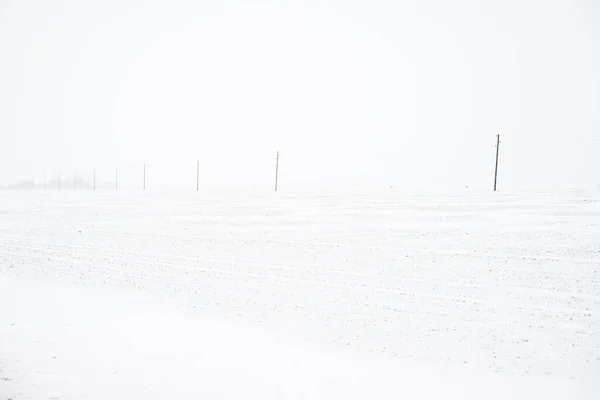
pixel 383 295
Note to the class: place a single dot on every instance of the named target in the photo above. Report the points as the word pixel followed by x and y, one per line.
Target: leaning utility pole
pixel 497 154
pixel 277 171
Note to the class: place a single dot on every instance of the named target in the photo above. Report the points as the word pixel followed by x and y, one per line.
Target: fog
pixel 359 94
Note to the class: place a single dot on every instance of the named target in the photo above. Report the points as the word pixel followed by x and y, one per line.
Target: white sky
pixel 367 94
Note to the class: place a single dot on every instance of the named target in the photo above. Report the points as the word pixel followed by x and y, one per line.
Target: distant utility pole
pixel 497 154
pixel 144 176
pixel 94 184
pixel 277 171
pixel 198 176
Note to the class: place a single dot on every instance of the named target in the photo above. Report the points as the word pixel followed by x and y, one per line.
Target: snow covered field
pixel 389 295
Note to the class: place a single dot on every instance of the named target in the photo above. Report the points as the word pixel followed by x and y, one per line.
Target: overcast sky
pixel 368 94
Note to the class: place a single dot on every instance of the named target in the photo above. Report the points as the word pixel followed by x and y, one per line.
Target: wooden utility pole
pixel 198 176
pixel 144 176
pixel 277 171
pixel 497 154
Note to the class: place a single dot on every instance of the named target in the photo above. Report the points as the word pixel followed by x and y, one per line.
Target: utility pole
pixel 198 176
pixel 144 176
pixel 277 171
pixel 497 154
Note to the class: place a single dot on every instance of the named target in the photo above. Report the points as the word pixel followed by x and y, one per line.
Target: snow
pixel 353 296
